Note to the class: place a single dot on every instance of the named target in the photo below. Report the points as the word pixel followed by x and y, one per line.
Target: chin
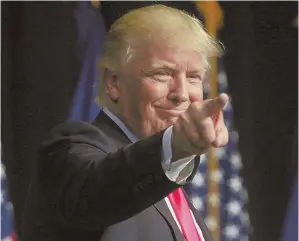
pixel 159 125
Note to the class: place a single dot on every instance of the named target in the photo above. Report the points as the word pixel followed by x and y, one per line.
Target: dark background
pixel 40 71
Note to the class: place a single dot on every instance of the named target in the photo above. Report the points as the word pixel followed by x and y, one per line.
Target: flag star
pixel 203 159
pixel 213 199
pixel 235 160
pixel 295 22
pixel 198 203
pixel 222 79
pixel 235 183
pixel 245 219
pixel 2 171
pixel 228 123
pixel 211 223
pixel 8 238
pixel 234 136
pixel 9 206
pixel 231 231
pixel 234 208
pixel 244 195
pixel 220 153
pixel 217 176
pixel 1 198
pixel 244 238
pixel 198 180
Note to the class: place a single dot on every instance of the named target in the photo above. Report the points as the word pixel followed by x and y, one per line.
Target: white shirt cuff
pixel 176 170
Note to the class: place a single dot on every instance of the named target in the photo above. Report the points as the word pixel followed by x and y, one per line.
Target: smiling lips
pixel 172 112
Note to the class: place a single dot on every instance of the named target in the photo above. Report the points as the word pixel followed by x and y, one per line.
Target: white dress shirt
pixel 177 171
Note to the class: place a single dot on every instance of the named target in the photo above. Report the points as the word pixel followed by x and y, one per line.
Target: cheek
pixel 196 93
pixel 138 98
pixel 152 92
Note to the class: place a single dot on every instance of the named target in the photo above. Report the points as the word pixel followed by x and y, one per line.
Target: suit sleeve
pixel 88 188
pixel 176 170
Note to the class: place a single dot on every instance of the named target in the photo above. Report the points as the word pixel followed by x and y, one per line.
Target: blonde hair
pixel 144 24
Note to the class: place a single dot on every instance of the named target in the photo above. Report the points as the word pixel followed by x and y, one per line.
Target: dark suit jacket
pixel 91 183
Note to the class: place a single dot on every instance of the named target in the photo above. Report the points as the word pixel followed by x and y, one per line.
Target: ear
pixel 111 84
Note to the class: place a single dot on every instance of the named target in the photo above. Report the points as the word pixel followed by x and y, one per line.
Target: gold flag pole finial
pixel 96 3
pixel 212 14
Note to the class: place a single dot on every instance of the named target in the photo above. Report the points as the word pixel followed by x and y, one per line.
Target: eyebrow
pixel 199 71
pixel 163 66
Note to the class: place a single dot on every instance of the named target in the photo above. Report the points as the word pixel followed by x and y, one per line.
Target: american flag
pixel 231 218
pixel 7 230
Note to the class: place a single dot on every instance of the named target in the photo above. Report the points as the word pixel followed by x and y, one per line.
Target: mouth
pixel 172 112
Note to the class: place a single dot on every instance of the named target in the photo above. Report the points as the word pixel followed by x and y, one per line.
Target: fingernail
pixel 226 103
pixel 224 106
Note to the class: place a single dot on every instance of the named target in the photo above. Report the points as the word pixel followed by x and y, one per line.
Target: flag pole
pixel 213 21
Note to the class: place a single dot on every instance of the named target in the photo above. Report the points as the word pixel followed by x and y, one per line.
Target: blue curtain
pixel 91 32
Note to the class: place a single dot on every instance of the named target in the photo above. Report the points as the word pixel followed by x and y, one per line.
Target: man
pixel 121 177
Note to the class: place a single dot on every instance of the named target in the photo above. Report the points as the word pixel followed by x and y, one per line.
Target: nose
pixel 178 90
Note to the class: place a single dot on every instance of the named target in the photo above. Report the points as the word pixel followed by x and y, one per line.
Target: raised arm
pixel 89 188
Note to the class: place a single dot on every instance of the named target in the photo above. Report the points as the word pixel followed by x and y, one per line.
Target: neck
pixel 113 108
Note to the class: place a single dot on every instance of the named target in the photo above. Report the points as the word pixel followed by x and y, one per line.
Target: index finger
pixel 214 106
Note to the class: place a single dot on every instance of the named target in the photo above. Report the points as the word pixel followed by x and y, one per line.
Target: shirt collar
pixel 121 125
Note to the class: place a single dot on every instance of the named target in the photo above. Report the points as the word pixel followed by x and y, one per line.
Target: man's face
pixel 158 85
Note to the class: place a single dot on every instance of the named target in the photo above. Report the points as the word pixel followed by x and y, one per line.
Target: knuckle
pixel 222 138
pixel 210 138
pixel 195 106
pixel 184 117
pixel 209 135
pixel 177 127
pixel 199 149
pixel 206 124
pixel 193 136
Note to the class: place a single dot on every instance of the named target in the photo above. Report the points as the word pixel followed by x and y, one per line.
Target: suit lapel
pixel 165 212
pixel 163 209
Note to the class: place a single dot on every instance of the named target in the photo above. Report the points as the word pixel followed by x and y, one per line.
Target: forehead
pixel 177 56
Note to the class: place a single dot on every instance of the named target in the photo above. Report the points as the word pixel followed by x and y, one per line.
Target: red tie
pixel 183 215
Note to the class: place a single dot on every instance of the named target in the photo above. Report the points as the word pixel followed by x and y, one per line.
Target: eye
pixel 159 75
pixel 162 73
pixel 193 79
pixel 162 76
